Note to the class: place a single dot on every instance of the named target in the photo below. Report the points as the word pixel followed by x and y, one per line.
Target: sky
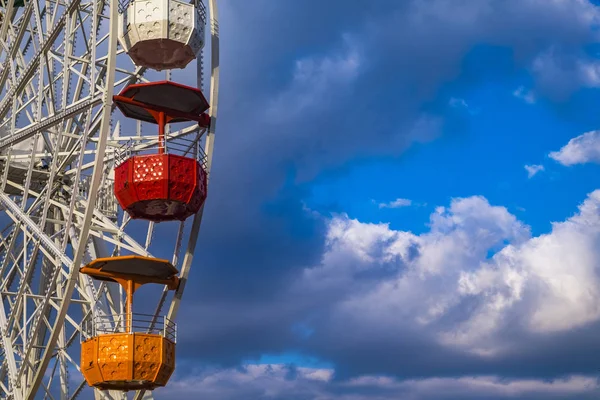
pixel 403 204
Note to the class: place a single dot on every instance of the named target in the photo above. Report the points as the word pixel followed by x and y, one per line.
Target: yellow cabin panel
pixel 127 361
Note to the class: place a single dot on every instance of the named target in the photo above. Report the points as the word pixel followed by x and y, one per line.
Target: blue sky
pixel 402 204
pixel 485 156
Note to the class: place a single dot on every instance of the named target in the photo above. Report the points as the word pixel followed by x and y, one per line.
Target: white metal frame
pixel 60 64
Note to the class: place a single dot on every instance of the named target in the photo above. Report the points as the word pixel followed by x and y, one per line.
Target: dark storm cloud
pixel 287 382
pixel 373 78
pixel 414 355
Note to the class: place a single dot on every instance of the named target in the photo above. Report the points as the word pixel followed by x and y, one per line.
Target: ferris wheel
pixel 104 163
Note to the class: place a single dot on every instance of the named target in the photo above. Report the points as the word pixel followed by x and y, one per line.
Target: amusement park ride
pixel 84 209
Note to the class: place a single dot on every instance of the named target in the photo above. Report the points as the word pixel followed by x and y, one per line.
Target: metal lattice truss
pixel 60 64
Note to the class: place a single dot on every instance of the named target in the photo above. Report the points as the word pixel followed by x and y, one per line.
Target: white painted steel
pixel 60 63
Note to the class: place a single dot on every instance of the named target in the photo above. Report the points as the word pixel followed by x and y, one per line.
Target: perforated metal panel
pixel 161 187
pixel 161 34
pixel 127 361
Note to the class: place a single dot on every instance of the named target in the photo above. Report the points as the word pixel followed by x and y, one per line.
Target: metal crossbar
pixel 123 4
pixel 182 146
pixel 201 10
pixel 140 323
pixel 106 202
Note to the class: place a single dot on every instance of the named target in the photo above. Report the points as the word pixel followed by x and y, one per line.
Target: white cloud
pixel 476 284
pixel 398 203
pixel 317 81
pixel 561 74
pixel 462 103
pixel 524 94
pixel 580 150
pixel 532 170
pixel 276 381
pixel 548 283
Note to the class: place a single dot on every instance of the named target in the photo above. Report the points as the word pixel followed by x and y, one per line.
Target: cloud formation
pixel 526 95
pixel 543 284
pixel 316 82
pixel 308 100
pixel 533 170
pixel 400 202
pixel 276 381
pixel 473 295
pixel 582 149
pixel 462 104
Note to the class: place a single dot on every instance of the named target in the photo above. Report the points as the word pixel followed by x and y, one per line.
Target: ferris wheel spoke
pixel 49 122
pixel 7 26
pixel 33 63
pixel 99 225
pixel 9 351
pixel 8 254
pixel 69 59
pixel 89 212
pixel 58 70
pixel 3 388
pixel 19 216
pixel 24 285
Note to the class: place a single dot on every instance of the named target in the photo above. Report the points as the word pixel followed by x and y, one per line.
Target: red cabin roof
pixel 180 102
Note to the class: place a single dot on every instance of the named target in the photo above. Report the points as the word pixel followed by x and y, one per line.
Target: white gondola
pixel 162 34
